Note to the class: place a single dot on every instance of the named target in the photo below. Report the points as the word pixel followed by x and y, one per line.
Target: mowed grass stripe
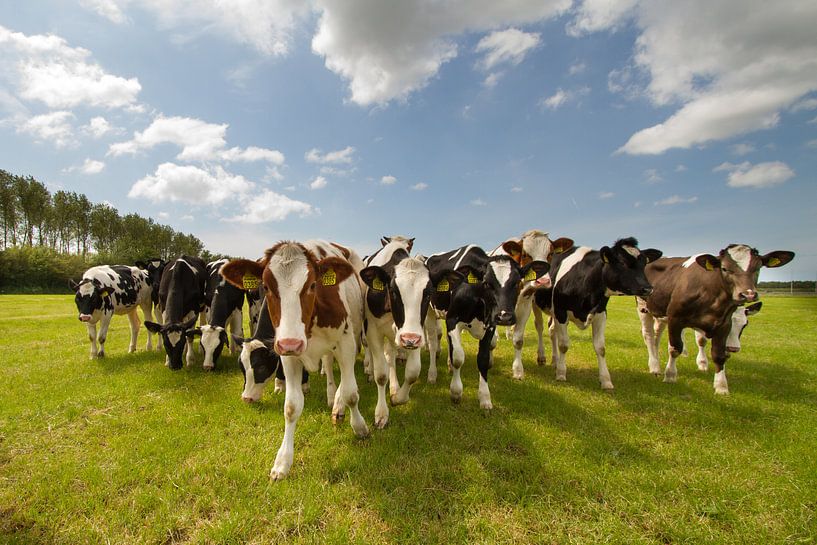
pixel 123 450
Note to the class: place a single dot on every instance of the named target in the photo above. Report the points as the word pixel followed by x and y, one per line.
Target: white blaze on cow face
pixel 211 339
pixel 174 337
pixel 502 271
pixel 536 245
pixel 742 255
pixel 633 251
pixel 252 390
pixel 290 269
pixel 739 321
pixel 411 277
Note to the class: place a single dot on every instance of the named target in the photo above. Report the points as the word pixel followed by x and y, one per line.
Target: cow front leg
pixel 539 325
pixel 92 337
pixel 648 333
pixel 719 357
pixel 563 343
pixel 189 345
pixel 676 348
pixel 390 356
pixel 522 312
pixel 293 406
pixel 483 364
pixel 236 324
pixel 411 376
pixel 456 357
pixel 347 391
pixel 554 341
pixel 133 318
pixel 381 377
pixel 701 359
pixel 104 324
pixel 599 324
pixel 147 311
pixel 433 340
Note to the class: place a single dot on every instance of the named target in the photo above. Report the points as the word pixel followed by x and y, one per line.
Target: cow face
pixel 258 363
pixel 213 339
pixel 740 319
pixel 740 265
pixel 623 268
pixel 501 283
pixel 90 299
pixel 174 338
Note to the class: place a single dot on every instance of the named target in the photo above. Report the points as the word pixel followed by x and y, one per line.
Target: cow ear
pixel 141 264
pixel 243 273
pixel 384 240
pixel 73 284
pixel 513 249
pixel 375 277
pixel 447 281
pixel 561 245
pixel 754 308
pixel 708 262
pixel 190 333
pixel 652 254
pixel 153 327
pixel 105 292
pixel 535 270
pixel 410 244
pixel 606 254
pixel 777 259
pixel 333 270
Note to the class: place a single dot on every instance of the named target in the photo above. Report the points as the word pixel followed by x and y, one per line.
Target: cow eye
pixel 312 285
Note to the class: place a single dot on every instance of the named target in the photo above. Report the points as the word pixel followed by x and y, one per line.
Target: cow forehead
pixel 632 250
pixel 87 288
pixel 739 318
pixel 537 245
pixel 741 254
pixel 290 267
pixel 411 274
pixel 502 271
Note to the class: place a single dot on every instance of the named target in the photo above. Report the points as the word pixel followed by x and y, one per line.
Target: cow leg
pixel 381 376
pixel 158 317
pixel 563 343
pixel 554 341
pixel 701 359
pixel 293 406
pixel 147 311
pixel 522 311
pixel 133 318
pixel 650 336
pixel 719 357
pixel 347 391
pixel 411 376
pixel 280 380
pixel 236 324
pixel 456 357
pixel 599 324
pixel 104 323
pixel 483 364
pixel 676 348
pixel 390 355
pixel 189 349
pixel 329 371
pixel 539 324
pixel 433 340
pixel 92 338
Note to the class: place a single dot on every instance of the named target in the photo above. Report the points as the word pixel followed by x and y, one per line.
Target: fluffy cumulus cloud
pixel 760 175
pixel 199 140
pixel 108 9
pixel 420 186
pixel 387 50
pixel 54 127
pixel 270 206
pixel 388 180
pixel 318 183
pixel 44 68
pixel 190 184
pixel 504 47
pixel 343 156
pixel 730 67
pixel 98 127
pixel 90 166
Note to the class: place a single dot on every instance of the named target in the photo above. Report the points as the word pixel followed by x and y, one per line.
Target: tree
pixel 8 208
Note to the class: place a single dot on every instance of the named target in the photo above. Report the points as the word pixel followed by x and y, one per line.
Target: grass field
pixel 122 450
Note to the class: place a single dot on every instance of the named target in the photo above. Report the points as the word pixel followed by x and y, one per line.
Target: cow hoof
pixel 518 376
pixel 362 432
pixel 607 386
pixel 561 378
pixel 456 398
pixel 131 350
pixel 671 379
pixel 541 361
pixel 486 405
pixel 722 391
pixel 208 367
pixel 276 475
pixel 703 368
pixel 337 418
pixel 380 423
pixel 655 373
pixel 431 380
pixel 305 387
pixel 397 400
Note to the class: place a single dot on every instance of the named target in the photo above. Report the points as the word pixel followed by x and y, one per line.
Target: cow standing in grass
pixel 107 290
pixel 701 292
pixel 315 305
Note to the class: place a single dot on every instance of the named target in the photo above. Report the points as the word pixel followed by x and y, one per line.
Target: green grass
pixel 122 450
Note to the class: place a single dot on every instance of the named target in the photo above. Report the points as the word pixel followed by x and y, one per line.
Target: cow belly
pixel 581 324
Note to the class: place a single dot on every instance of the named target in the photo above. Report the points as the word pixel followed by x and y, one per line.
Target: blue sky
pixel 687 125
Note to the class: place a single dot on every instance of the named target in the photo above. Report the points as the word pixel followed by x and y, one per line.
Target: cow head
pixel 258 363
pixel 174 337
pixel 293 280
pixel 89 298
pixel 739 266
pixel 740 319
pixel 407 243
pixel 409 292
pixel 623 268
pixel 213 338
pixel 500 283
pixel 535 246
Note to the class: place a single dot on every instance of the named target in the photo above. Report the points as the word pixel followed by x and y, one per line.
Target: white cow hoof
pixel 396 399
pixel 337 417
pixel 380 422
pixel 670 378
pixel 277 475
pixel 607 386
pixel 703 367
pixel 361 429
pixel 487 405
pixel 208 367
pixel 722 391
pixel 456 398
pixel 561 378
pixel 519 376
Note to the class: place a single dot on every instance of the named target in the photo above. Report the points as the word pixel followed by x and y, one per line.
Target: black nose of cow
pixel 505 318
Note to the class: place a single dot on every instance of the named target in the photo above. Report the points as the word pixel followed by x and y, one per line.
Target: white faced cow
pixel 315 305
pixel 583 282
pixel 702 292
pixel 534 245
pixel 105 291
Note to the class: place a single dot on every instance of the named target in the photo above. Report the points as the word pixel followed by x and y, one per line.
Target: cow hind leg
pixel 563 343
pixel 390 355
pixel 433 339
pixel 648 333
pixel 331 388
pixel 701 359
pixel 456 358
pixel 347 391
pixel 293 406
pixel 133 318
pixel 676 348
pixel 539 325
pixel 599 324
pixel 522 311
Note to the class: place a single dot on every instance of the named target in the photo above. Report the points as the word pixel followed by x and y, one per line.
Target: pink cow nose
pixel 84 317
pixel 247 399
pixel 750 295
pixel 289 347
pixel 544 281
pixel 733 349
pixel 410 340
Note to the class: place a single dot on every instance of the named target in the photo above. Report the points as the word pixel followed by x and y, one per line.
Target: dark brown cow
pixel 701 292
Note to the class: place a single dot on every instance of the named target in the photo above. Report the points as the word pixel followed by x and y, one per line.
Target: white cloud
pixel 199 140
pixel 318 183
pixel 606 195
pixel 343 156
pixel 187 217
pixel 813 121
pixel 492 79
pixel 516 189
pixel 732 66
pixel 562 97
pixel 652 176
pixel 760 175
pixel 478 202
pixel 743 148
pixel 805 104
pixel 108 9
pixel 812 144
pixel 90 166
pixel 577 68
pixel 388 180
pixel 387 50
pixel 334 171
pixel 50 71
pixel 190 184
pixel 270 206
pixel 506 47
pixel 419 186
pixel 99 127
pixel 163 215
pixel 54 126
pixel 676 199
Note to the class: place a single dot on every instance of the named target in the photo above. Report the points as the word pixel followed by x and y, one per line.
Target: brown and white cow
pixel 701 292
pixel 534 245
pixel 315 304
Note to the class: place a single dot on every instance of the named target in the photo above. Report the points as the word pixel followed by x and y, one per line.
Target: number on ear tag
pixel 530 275
pixel 378 285
pixel 329 278
pixel 472 279
pixel 443 285
pixel 250 282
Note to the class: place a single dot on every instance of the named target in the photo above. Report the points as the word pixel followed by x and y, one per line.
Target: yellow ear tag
pixel 709 266
pixel 250 282
pixel 329 278
pixel 773 262
pixel 443 285
pixel 472 279
pixel 531 275
pixel 378 285
pixel 604 258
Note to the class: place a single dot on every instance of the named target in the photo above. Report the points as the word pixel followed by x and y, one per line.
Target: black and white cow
pixel 474 292
pixel 583 282
pixel 107 290
pixel 398 292
pixel 181 298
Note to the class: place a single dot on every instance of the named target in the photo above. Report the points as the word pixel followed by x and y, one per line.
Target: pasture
pixel 122 450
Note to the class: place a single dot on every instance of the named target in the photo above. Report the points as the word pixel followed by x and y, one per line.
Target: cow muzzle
pixel 410 341
pixel 645 292
pixel 749 295
pixel 733 349
pixel 543 282
pixel 289 347
pixel 505 318
pixel 85 318
pixel 247 399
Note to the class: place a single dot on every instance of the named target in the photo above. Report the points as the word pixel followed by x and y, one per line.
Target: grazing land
pixel 123 450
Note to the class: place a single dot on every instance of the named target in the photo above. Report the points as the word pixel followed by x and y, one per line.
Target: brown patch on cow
pixel 321 252
pixel 344 250
pixel 329 309
pixel 514 249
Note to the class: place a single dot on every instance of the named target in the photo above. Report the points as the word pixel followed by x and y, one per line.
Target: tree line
pixel 48 238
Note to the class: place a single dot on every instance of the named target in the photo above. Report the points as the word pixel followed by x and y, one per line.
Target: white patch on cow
pixel 571 261
pixel 174 337
pixel 632 250
pixel 742 255
pixel 464 253
pixel 691 261
pixel 536 244
pixel 290 268
pixel 180 260
pixel 252 390
pixel 411 277
pixel 502 271
pixel 476 328
pixel 739 321
pixel 210 339
pixel 86 288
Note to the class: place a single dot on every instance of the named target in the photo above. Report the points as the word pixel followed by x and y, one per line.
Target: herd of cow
pixel 316 302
